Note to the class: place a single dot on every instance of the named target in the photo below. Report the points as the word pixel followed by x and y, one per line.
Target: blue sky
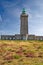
pixel 10 11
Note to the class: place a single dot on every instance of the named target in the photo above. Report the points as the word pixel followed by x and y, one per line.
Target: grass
pixel 21 52
pixel 16 56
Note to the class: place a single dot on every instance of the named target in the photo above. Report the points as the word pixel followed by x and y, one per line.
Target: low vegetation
pixel 21 52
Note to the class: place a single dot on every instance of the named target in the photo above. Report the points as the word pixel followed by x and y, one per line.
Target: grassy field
pixel 17 52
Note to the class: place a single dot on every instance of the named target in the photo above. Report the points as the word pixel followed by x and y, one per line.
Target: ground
pixel 17 52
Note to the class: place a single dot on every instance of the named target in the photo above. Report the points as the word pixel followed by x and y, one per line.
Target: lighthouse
pixel 23 23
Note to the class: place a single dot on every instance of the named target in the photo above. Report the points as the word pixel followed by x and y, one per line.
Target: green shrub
pixel 17 56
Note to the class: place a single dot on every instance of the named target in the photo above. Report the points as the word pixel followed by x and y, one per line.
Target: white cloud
pixel 39 31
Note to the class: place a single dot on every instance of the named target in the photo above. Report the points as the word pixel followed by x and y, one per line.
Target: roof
pixel 23 11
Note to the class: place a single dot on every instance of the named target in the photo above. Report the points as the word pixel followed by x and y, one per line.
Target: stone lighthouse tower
pixel 23 23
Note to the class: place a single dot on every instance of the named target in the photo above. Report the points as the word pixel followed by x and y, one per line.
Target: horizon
pixel 10 12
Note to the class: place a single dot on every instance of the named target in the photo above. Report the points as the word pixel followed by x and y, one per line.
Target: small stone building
pixel 38 37
pixel 7 37
pixel 31 37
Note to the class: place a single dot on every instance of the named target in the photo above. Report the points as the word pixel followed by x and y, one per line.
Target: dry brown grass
pixel 17 52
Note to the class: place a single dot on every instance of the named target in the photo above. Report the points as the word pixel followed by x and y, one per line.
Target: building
pixel 8 37
pixel 23 30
